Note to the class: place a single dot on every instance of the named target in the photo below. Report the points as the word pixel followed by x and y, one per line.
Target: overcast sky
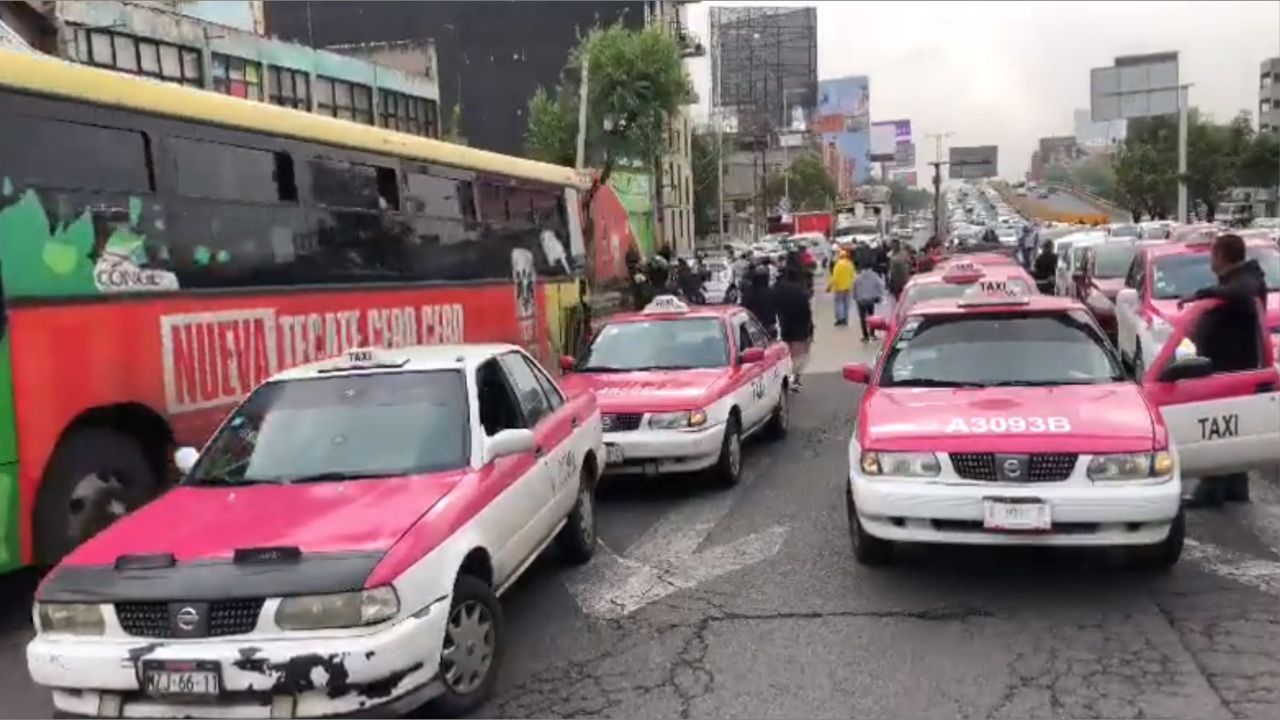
pixel 1009 73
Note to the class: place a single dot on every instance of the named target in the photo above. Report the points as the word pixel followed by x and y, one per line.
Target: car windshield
pixel 1180 275
pixel 1112 260
pixel 1125 231
pixel 658 345
pixel 1004 349
pixel 949 291
pixel 341 427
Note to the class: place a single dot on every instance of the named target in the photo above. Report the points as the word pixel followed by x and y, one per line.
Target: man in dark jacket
pixel 1046 268
pixel 760 301
pixel 899 271
pixel 1229 338
pixel 795 316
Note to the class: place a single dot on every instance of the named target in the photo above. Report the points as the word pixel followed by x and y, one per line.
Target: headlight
pixel 1131 466
pixel 70 618
pixel 678 420
pixel 352 609
pixel 908 464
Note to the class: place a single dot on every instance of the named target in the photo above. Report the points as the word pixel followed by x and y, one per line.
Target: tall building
pixel 493 56
pixel 219 46
pixel 1269 96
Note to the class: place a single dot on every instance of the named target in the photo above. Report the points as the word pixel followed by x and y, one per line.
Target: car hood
pixel 211 523
pixel 649 390
pixel 1101 418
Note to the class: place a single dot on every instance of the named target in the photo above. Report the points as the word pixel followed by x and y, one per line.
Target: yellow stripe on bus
pixel 45 75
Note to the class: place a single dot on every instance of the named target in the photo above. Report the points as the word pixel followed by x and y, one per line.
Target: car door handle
pixel 574 422
pixel 538 451
pixel 1265 387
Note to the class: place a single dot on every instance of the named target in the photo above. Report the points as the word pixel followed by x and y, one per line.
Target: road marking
pixel 1259 573
pixel 666 560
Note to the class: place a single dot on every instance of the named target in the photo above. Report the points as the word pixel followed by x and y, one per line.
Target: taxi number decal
pixel 564 471
pixel 757 387
pixel 1035 424
pixel 1219 426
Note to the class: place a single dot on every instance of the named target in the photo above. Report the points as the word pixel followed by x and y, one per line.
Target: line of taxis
pixel 995 415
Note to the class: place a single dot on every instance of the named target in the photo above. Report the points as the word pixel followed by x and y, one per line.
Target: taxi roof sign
pixel 994 293
pixel 962 271
pixel 367 358
pixel 666 304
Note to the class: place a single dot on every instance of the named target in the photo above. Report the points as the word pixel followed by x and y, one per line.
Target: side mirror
pixel 508 442
pixel 184 458
pixel 751 355
pixel 1127 296
pixel 857 373
pixel 1187 368
pixel 877 324
pixel 566 363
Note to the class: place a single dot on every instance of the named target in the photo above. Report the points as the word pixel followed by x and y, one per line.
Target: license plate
pixel 613 454
pixel 181 678
pixel 1016 515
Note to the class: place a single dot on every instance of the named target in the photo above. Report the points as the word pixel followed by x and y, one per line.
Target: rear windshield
pixel 1005 349
pixel 341 427
pixel 950 291
pixel 1112 260
pixel 658 345
pixel 1180 275
pixel 1126 231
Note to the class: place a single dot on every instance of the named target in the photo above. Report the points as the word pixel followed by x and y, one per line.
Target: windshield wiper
pixel 1049 383
pixel 602 369
pixel 228 482
pixel 334 476
pixel 934 382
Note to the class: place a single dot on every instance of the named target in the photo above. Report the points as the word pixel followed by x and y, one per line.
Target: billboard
pixel 904 154
pixel 1136 86
pixel 884 140
pixel 844 121
pixel 969 163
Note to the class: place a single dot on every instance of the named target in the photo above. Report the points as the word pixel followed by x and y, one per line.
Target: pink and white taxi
pixel 953 279
pixel 337 548
pixel 680 388
pixel 1006 419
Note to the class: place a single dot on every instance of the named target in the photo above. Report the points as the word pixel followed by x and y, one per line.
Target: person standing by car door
pixel 868 289
pixel 1231 342
pixel 795 316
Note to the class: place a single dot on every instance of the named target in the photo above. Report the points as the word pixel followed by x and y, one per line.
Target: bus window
pixel 227 172
pixel 339 184
pixel 59 154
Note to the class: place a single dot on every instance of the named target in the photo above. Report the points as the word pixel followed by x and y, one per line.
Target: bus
pixel 163 249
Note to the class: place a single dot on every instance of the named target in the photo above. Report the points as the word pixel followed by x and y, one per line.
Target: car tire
pixel 780 420
pixel 1235 487
pixel 1162 556
pixel 467 687
pixel 95 477
pixel 728 468
pixel 867 549
pixel 577 539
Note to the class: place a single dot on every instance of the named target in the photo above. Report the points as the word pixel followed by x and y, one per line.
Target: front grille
pixel 226 617
pixel 1044 467
pixel 622 422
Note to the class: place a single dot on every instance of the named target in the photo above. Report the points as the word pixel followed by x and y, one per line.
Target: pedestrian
pixel 758 298
pixel 899 272
pixel 1026 246
pixel 795 320
pixel 1046 268
pixel 882 259
pixel 841 286
pixel 1230 341
pixel 868 290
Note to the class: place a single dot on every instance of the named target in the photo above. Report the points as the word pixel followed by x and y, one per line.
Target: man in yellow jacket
pixel 841 286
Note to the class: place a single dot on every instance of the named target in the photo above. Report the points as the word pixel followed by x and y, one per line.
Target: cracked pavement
pixel 945 633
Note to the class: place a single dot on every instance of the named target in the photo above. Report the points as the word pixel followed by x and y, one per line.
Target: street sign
pixel 884 138
pixel 972 163
pixel 1136 86
pixel 904 154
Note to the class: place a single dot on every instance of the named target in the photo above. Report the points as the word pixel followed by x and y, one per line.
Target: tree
pixel 705 168
pixel 635 81
pixel 454 133
pixel 908 199
pixel 1260 162
pixel 806 181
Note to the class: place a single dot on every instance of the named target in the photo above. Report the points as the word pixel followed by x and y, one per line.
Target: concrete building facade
pixel 1269 96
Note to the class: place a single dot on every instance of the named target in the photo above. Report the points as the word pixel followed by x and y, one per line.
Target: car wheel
pixel 1235 487
pixel 472 649
pixel 577 539
pixel 728 468
pixel 780 420
pixel 1162 556
pixel 95 477
pixel 867 549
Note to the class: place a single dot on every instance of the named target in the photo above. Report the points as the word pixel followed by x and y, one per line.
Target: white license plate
pixel 1026 516
pixel 613 454
pixel 171 682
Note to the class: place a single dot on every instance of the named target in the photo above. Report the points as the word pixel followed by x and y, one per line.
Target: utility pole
pixel 937 180
pixel 1182 154
pixel 581 156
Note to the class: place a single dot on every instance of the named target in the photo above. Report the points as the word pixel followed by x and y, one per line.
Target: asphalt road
pixel 1064 202
pixel 759 610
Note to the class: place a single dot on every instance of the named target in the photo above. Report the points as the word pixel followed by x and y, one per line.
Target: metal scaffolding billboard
pixel 764 68
pixel 972 163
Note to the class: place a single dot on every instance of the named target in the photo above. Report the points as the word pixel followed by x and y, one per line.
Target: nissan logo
pixel 1012 468
pixel 188 618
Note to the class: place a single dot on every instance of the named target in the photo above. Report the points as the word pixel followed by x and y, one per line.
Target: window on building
pixel 290 88
pixel 1266 81
pixel 1264 106
pixel 236 76
pixel 407 113
pixel 344 100
pixel 139 56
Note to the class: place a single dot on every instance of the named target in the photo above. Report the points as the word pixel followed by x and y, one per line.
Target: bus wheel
pixel 94 478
